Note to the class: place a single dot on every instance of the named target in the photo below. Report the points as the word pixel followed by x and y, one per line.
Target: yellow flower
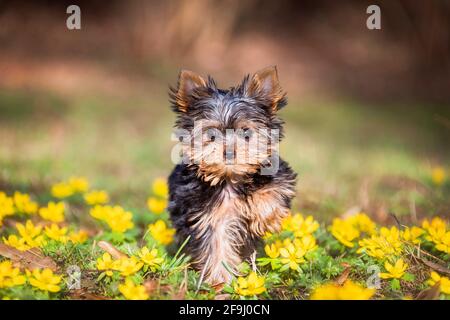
pixel 161 233
pixel 29 230
pixel 96 197
pixel 160 187
pixel 6 206
pixel 395 271
pixel 438 176
pixel 116 217
pixel 299 225
pixel 105 263
pixel 251 285
pixel 79 184
pixel 10 276
pixel 348 291
pixel 292 256
pixel 15 242
pixel 344 231
pixel 62 190
pixel 272 251
pixel 127 266
pixel 383 245
pixel 444 244
pixel 56 233
pixel 133 292
pixel 444 282
pixel 53 212
pixel 156 205
pixel 45 280
pixel 437 233
pixel 78 237
pixel 30 237
pixel 363 223
pixel 412 234
pixel 120 220
pixel 100 212
pixel 150 257
pixel 306 243
pixel 24 204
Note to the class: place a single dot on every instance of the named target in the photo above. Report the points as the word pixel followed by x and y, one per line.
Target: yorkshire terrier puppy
pixel 231 187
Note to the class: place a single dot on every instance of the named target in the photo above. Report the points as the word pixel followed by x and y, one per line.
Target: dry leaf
pixel 113 251
pixel 223 296
pixel 29 259
pixel 431 293
pixel 343 276
pixel 81 294
pixel 435 266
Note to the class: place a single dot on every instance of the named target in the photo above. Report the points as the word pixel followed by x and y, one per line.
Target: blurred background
pixel 368 119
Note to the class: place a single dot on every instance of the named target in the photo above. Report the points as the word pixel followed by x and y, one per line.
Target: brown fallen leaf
pixel 430 293
pixel 81 294
pixel 435 266
pixel 223 296
pixel 113 251
pixel 29 259
pixel 343 276
pixel 218 286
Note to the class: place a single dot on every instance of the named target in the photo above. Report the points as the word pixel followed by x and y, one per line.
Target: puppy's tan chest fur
pixel 232 221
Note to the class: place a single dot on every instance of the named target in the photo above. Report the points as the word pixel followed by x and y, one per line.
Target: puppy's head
pixel 228 134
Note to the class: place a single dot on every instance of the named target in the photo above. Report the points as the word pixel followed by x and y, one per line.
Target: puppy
pixel 231 187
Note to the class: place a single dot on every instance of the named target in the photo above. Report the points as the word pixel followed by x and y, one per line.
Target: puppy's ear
pixel 188 82
pixel 265 85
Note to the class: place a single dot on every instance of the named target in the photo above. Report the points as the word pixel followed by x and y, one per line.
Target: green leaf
pixel 395 284
pixel 408 277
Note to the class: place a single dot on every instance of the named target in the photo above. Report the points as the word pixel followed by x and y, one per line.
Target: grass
pixel 350 157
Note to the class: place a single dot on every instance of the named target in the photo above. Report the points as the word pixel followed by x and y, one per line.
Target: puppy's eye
pixel 211 135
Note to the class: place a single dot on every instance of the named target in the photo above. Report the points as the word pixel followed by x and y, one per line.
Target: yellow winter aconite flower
pixel 306 243
pixel 29 230
pixel 96 197
pixel 132 291
pixel 79 184
pixel 15 242
pixel 272 251
pixel 45 280
pixel 344 231
pixel 444 282
pixel 78 237
pixel 105 263
pixel 24 204
pixel 116 217
pixel 160 187
pixel 348 291
pixel 438 176
pixel 251 285
pixel 412 234
pixel 54 212
pixel 383 245
pixel 363 223
pixel 161 233
pixel 62 190
pixel 10 276
pixel 31 237
pixel 150 257
pixel 156 205
pixel 395 271
pixel 292 256
pixel 299 225
pixel 127 266
pixel 6 206
pixel 56 233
